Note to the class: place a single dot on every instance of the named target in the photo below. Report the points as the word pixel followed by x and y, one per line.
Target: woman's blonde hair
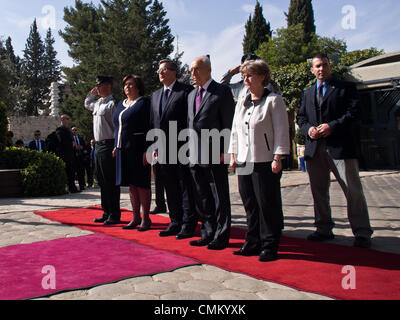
pixel 259 67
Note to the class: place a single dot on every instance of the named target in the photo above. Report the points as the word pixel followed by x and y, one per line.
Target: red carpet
pixel 77 263
pixel 304 265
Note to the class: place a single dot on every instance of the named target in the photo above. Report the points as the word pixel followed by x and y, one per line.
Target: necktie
pixel 199 98
pixel 77 140
pixel 320 99
pixel 321 94
pixel 38 145
pixel 164 100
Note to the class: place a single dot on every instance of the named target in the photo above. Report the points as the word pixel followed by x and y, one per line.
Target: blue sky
pixel 216 27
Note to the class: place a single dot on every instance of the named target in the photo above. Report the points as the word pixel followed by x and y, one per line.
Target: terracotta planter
pixel 11 183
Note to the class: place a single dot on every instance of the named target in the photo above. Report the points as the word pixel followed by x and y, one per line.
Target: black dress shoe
pixel 184 235
pixel 267 256
pixel 145 227
pixel 200 242
pixel 169 232
pixel 158 210
pixel 320 237
pixel 100 220
pixel 362 242
pixel 217 245
pixel 247 252
pixel 110 222
pixel 132 225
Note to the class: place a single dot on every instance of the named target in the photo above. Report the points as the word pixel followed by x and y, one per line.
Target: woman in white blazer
pixel 259 141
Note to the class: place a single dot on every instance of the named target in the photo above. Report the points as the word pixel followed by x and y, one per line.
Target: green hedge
pixel 3 125
pixel 43 174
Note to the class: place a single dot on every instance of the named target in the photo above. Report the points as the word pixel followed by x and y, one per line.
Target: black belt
pixel 106 141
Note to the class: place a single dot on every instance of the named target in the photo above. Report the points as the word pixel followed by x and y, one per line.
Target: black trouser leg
pixel 105 170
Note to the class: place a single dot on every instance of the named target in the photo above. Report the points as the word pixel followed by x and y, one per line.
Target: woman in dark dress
pixel 131 120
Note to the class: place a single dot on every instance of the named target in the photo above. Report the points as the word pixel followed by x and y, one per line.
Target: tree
pixel 116 38
pixel 287 47
pixel 32 71
pixel 257 31
pixel 15 60
pixel 7 76
pixel 353 57
pixel 3 125
pixel 52 70
pixel 301 12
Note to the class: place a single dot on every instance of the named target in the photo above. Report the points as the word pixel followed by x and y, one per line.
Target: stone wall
pixel 24 127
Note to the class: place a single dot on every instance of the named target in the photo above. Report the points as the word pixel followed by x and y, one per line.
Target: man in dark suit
pixel 79 166
pixel 37 144
pixel 65 150
pixel 328 117
pixel 211 110
pixel 169 112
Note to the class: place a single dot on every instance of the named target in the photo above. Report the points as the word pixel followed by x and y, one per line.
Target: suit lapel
pixel 192 104
pixel 313 92
pixel 329 89
pixel 171 98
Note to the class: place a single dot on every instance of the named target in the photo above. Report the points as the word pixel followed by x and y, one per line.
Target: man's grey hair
pixel 206 60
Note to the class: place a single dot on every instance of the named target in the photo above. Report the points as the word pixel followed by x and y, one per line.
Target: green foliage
pixel 301 12
pixel 349 58
pixel 288 47
pixel 32 71
pixel 3 125
pixel 257 31
pixel 6 74
pixel 293 79
pixel 43 174
pixel 115 38
pixel 300 138
pixel 51 67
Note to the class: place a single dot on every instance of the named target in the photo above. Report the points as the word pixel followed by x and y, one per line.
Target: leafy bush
pixel 43 174
pixel 299 138
pixel 3 125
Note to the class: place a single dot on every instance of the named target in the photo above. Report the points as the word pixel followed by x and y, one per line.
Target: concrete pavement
pixel 19 225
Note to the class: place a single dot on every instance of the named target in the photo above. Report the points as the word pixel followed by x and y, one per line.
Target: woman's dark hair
pixel 138 83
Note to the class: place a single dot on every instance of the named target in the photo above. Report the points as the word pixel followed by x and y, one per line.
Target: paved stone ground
pixel 19 225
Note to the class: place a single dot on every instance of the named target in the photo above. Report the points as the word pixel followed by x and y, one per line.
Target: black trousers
pixel 261 195
pixel 70 169
pixel 106 177
pixel 212 199
pixel 178 187
pixel 159 187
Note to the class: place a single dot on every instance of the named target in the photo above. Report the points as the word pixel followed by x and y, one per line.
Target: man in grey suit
pixel 328 117
pixel 169 110
pixel 211 109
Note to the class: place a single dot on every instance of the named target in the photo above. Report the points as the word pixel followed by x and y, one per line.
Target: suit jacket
pixel 65 149
pixel 79 153
pixel 176 110
pixel 32 145
pixel 134 125
pixel 340 109
pixel 259 132
pixel 216 112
